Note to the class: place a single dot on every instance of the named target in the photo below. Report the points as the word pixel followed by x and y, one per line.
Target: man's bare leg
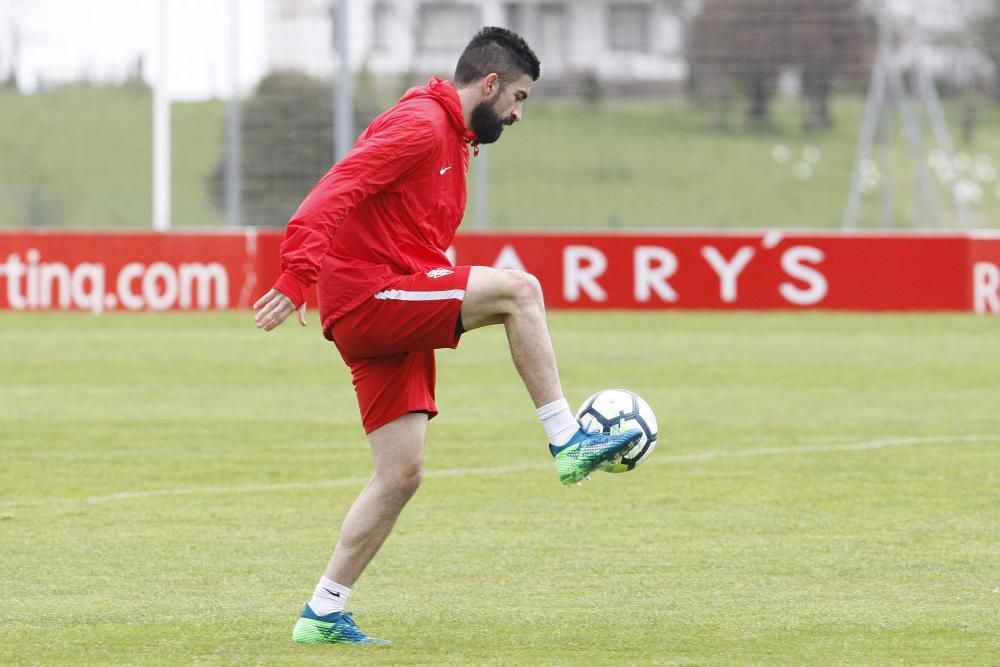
pixel 398 455
pixel 493 296
pixel 514 298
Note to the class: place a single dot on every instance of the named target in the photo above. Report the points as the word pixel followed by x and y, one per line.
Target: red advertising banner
pixel 106 271
pixel 738 271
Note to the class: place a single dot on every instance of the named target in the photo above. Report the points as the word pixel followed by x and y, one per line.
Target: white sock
pixel 328 597
pixel 559 423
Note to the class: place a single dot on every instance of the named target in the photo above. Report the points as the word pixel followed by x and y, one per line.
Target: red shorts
pixel 389 341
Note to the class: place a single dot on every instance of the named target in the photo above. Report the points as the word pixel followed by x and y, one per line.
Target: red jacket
pixel 389 208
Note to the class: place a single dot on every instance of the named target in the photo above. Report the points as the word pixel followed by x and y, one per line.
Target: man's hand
pixel 273 308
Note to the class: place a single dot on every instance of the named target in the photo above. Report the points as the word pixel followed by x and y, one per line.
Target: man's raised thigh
pixel 493 294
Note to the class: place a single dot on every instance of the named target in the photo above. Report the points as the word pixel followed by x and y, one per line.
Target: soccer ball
pixel 617 410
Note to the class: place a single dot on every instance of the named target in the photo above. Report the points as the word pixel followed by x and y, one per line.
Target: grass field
pixel 665 165
pixel 825 493
pixel 81 156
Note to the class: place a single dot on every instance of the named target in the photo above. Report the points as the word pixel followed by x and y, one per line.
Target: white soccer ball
pixel 615 411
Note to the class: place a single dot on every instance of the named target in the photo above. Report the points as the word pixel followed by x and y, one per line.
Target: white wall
pixel 302 39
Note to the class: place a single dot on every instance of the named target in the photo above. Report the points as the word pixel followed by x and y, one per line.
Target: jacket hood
pixel 444 93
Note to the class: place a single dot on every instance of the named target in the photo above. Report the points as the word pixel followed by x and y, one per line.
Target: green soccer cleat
pixel 335 628
pixel 586 452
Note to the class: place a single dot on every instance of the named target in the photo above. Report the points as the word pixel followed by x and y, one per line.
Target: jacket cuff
pixel 292 287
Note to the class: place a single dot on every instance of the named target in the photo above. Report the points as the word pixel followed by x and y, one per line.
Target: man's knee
pixel 409 478
pixel 530 286
pixel 398 454
pixel 519 289
pixel 402 479
pixel 494 294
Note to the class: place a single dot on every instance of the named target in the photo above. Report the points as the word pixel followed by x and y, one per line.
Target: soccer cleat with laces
pixel 335 628
pixel 586 452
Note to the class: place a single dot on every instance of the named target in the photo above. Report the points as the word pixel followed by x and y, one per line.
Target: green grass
pixel 825 493
pixel 81 157
pixel 665 165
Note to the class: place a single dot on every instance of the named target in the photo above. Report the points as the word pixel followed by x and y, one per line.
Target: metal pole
pixel 234 124
pixel 933 103
pixel 481 214
pixel 161 127
pixel 492 15
pixel 926 197
pixel 888 155
pixel 344 92
pixel 873 110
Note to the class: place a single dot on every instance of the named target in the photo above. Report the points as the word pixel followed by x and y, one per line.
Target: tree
pixel 828 38
pixel 750 42
pixel 987 37
pixel 738 41
pixel 287 145
pixel 9 79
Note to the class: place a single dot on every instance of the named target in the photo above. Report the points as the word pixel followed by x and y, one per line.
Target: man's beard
pixel 485 122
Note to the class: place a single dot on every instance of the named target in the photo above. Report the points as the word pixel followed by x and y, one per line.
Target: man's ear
pixel 491 84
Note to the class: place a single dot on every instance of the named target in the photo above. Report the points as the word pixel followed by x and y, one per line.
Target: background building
pixel 650 113
pixel 617 42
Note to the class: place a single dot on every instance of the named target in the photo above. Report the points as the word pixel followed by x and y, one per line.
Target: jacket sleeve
pixel 375 163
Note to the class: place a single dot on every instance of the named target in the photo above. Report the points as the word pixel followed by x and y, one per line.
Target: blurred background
pixel 649 114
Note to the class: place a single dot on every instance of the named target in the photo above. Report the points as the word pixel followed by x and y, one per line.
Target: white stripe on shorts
pixel 405 295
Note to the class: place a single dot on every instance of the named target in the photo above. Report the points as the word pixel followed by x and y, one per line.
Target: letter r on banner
pixel 986 288
pixel 653 266
pixel 582 266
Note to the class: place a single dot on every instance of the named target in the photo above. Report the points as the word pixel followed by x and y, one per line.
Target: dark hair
pixel 496 50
